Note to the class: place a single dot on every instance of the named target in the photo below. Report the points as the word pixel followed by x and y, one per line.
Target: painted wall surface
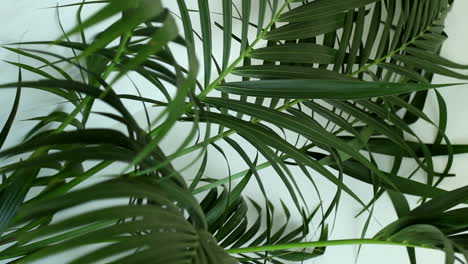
pixel 28 20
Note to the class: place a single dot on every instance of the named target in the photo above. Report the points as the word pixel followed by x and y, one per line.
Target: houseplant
pixel 363 66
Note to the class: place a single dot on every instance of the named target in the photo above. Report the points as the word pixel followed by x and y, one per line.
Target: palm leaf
pixel 374 81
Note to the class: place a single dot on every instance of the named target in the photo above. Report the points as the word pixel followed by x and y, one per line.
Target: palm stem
pixel 80 106
pixel 294 102
pixel 392 53
pixel 322 244
pixel 324 162
pixel 226 72
pixel 244 53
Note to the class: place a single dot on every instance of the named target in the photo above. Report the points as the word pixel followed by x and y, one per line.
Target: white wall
pixel 23 20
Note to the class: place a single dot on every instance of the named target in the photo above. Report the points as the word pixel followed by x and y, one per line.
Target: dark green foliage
pixel 309 71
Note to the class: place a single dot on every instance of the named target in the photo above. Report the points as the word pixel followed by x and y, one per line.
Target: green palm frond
pixel 232 227
pixel 154 228
pixel 363 66
pixel 434 224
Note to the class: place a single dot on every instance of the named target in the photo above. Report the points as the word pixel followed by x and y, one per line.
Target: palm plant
pixel 309 88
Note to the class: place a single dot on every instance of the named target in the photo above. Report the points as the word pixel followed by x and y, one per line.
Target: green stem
pixel 365 136
pixel 244 53
pixel 84 102
pixel 106 74
pixel 222 76
pixel 116 61
pixel 322 244
pixel 295 102
pixel 73 114
pixel 88 99
pixel 391 54
pixel 282 108
pixel 73 183
pixel 208 141
pixel 233 177
pixel 16 251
